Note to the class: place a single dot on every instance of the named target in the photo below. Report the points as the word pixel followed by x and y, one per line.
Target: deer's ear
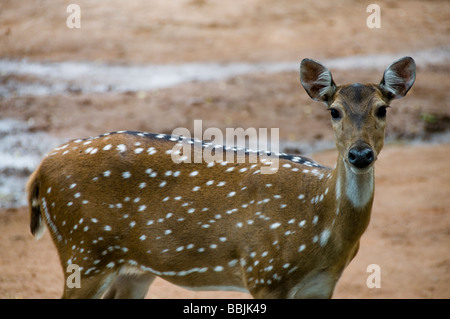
pixel 317 81
pixel 398 78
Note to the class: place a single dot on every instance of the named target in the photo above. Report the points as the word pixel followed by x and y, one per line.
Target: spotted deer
pixel 121 209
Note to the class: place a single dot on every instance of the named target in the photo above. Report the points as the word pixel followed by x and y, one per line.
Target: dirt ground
pixel 409 233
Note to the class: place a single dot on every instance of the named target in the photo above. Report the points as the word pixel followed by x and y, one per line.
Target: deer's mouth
pixel 358 171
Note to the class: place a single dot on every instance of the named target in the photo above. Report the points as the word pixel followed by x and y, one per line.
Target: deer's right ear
pixel 398 78
pixel 317 81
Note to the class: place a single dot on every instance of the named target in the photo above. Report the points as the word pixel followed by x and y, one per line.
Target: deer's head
pixel 358 111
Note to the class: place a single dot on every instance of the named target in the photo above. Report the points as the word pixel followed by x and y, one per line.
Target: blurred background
pixel 155 65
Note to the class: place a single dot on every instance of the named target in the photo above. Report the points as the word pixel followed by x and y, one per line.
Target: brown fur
pixel 121 209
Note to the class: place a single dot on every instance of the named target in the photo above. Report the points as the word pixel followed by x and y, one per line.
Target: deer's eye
pixel 335 114
pixel 381 112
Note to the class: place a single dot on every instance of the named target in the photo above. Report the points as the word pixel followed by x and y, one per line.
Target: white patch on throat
pixel 359 188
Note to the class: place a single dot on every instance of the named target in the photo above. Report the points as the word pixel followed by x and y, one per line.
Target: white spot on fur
pixel 121 148
pixel 126 174
pixel 275 225
pixel 324 236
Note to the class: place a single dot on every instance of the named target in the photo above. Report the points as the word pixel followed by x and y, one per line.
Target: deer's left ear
pixel 398 78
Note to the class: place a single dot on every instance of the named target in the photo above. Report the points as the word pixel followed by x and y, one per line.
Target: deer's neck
pixel 354 196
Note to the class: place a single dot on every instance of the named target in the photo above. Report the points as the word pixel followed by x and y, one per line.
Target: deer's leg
pixel 130 286
pixel 92 286
pixel 268 294
pixel 318 284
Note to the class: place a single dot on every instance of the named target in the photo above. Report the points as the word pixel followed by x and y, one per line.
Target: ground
pixel 409 232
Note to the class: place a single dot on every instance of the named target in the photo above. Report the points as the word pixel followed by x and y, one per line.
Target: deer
pixel 124 212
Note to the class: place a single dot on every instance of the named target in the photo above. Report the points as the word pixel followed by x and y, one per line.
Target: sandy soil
pixel 409 233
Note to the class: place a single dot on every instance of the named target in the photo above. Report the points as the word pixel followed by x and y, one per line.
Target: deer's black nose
pixel 361 157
